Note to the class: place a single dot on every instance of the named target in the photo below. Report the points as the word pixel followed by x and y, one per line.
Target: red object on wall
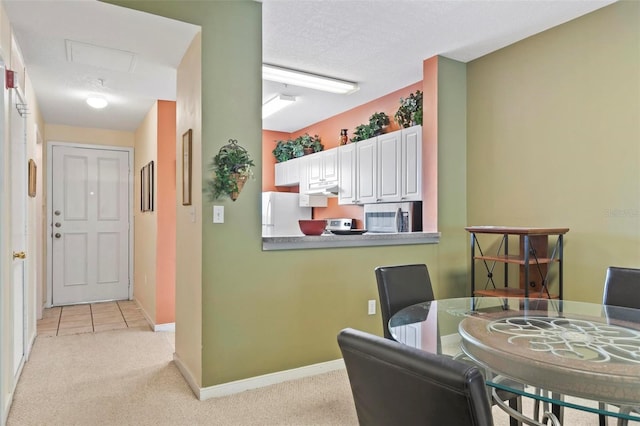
pixel 9 79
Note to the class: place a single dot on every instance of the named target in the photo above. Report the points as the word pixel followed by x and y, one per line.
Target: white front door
pixel 19 167
pixel 90 210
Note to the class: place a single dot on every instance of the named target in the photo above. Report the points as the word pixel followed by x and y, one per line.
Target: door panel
pixel 76 248
pixel 90 236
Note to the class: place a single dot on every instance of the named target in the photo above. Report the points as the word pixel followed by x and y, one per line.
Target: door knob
pixel 58 235
pixel 19 255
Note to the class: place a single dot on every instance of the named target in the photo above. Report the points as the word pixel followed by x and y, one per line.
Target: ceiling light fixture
pixel 275 104
pixel 303 79
pixel 97 102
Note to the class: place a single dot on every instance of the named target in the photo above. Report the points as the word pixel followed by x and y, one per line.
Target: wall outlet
pixel 218 214
pixel 372 307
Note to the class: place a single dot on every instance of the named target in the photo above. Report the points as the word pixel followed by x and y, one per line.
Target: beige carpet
pixel 127 377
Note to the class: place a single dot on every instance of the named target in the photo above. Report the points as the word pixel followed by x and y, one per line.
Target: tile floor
pixel 91 318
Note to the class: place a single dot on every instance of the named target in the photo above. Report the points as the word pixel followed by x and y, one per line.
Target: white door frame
pixel 50 146
pixel 3 250
pixel 17 98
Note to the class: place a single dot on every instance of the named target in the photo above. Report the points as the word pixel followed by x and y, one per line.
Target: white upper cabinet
pixel 287 173
pixel 347 169
pixel 367 173
pixel 280 175
pixel 387 168
pixel 411 170
pixel 322 168
pixel 383 169
pixel 357 172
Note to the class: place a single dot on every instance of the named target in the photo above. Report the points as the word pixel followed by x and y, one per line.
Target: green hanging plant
pixel 231 168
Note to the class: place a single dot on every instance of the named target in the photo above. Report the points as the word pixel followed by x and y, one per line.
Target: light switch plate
pixel 371 307
pixel 218 214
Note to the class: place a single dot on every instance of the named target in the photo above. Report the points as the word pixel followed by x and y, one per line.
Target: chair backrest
pixel 400 286
pixel 395 384
pixel 622 287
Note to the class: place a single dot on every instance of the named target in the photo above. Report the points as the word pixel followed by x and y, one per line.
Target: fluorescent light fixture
pixel 97 102
pixel 303 79
pixel 275 104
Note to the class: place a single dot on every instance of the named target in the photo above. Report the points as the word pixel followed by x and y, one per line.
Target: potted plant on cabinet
pixel 377 122
pixel 283 151
pixel 410 111
pixel 310 144
pixel 231 167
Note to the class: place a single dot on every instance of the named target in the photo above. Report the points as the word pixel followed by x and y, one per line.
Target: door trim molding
pixel 50 146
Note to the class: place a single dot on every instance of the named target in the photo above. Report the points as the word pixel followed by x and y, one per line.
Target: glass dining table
pixel 581 355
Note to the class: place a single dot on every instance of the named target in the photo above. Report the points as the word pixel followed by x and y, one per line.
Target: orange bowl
pixel 312 227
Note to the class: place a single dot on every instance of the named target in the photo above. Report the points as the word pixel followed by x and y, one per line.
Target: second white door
pixel 90 225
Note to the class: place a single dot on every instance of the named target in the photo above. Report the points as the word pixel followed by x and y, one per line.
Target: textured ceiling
pixel 378 43
pixel 43 29
pixel 382 44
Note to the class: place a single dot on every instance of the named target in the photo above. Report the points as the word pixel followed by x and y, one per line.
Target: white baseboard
pixel 170 326
pixel 186 373
pixel 156 327
pixel 6 407
pixel 255 382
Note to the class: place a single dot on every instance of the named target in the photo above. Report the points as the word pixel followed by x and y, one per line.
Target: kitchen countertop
pixel 338 241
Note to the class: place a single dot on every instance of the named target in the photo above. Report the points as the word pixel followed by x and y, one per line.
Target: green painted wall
pixel 270 311
pixel 554 140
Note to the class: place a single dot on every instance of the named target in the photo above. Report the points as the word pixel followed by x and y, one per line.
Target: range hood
pixel 327 191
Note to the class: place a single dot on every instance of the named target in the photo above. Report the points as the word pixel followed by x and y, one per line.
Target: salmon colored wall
pixel 166 204
pixel 329 132
pixel 269 139
pixel 430 145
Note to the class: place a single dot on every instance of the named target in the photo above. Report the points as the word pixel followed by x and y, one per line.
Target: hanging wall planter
pixel 231 168
pixel 240 180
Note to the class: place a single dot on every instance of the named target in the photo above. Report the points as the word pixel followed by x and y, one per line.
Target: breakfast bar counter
pixel 338 241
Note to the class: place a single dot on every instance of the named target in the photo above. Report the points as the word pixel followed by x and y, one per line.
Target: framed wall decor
pixel 146 187
pixel 186 168
pixel 33 169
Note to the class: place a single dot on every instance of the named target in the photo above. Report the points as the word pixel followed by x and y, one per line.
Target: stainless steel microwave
pixel 393 217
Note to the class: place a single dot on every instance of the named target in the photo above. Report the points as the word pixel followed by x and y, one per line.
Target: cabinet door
pixel 367 171
pixel 287 173
pixel 330 165
pixel 347 174
pixel 314 168
pixel 293 171
pixel 411 171
pixel 280 174
pixel 303 166
pixel 389 165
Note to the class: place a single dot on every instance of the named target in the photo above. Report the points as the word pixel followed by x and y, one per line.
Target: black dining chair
pixel 395 384
pixel 400 286
pixel 621 288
